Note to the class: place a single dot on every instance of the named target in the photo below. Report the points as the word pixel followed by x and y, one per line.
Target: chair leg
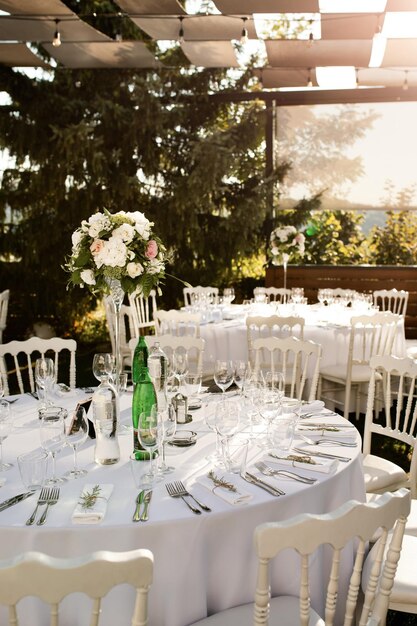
pixel 347 402
pixel 357 402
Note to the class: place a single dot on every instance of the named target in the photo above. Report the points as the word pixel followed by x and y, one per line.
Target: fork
pixel 180 488
pixel 174 494
pixel 328 442
pixel 43 498
pixel 52 499
pixel 269 471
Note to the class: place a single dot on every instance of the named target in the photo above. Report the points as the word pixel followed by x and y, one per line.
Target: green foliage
pixel 396 242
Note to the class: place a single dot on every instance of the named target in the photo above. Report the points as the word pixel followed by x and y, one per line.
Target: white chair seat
pixel 382 474
pixel 360 373
pixel 404 593
pixel 284 611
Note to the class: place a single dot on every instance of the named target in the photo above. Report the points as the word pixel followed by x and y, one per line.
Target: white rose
pixel 87 276
pixel 142 225
pixel 76 239
pixel 134 269
pixel 126 232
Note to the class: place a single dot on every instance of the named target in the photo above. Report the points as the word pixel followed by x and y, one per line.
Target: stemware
pixel 76 433
pixel 269 410
pixel 240 371
pixel 168 421
pixel 149 434
pixel 52 436
pixel 227 420
pixel 209 413
pixel 5 429
pixel 179 364
pixel 1 386
pixel 103 366
pixel 228 295
pixel 44 377
pixel 223 375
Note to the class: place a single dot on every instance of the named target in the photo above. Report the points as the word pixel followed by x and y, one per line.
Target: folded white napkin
pixel 315 432
pixel 237 497
pixel 96 513
pixel 312 407
pixel 288 461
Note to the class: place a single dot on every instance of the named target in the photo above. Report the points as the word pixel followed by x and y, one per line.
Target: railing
pixel 365 278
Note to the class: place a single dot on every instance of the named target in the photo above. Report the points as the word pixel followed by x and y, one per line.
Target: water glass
pixel 103 366
pixel 52 433
pixel 32 467
pixel 238 453
pixel 76 433
pixel 223 374
pixel 44 378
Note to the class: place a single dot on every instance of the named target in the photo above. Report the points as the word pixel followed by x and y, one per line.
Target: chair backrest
pixel 391 300
pixel 194 347
pixel 52 579
pixel 274 294
pixel 306 534
pixel 143 312
pixel 127 328
pixel 209 294
pixel 298 360
pixel 17 358
pixel 371 335
pixel 398 417
pixel 4 305
pixel 179 323
pixel 272 326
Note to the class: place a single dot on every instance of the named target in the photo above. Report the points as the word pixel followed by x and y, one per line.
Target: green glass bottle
pixel 144 394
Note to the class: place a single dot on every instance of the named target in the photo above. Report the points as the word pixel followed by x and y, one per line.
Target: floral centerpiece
pixel 286 244
pixel 119 246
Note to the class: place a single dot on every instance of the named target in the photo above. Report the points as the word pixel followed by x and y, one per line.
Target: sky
pixel 388 151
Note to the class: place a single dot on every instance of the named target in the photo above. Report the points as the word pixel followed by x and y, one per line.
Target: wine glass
pixel 223 375
pixel 168 421
pixel 52 436
pixel 76 433
pixel 180 363
pixel 149 434
pixel 227 420
pixel 269 409
pixel 252 391
pixel 228 295
pixel 45 376
pixel 5 429
pixel 240 369
pixel 103 366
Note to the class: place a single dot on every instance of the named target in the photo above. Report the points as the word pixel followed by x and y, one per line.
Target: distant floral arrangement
pixel 286 244
pixel 119 246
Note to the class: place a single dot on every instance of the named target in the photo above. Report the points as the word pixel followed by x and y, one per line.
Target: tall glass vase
pixel 117 296
pixel 285 259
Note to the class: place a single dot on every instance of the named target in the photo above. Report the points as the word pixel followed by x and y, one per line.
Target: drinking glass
pixel 5 429
pixel 192 383
pixel 45 377
pixel 76 433
pixel 103 366
pixel 252 391
pixel 180 363
pixel 168 421
pixel 149 435
pixel 240 370
pixel 1 386
pixel 209 413
pixel 52 436
pixel 32 468
pixel 269 409
pixel 227 422
pixel 228 295
pixel 275 381
pixel 223 375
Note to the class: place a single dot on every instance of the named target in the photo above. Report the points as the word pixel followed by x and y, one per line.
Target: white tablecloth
pixel 203 563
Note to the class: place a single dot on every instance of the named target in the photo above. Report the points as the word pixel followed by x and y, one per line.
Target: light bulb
pixel 181 32
pixel 56 41
pixel 244 36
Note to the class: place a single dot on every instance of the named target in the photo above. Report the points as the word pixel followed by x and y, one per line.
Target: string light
pixel 56 41
pixel 244 36
pixel 261 79
pixel 181 38
pixel 379 43
pixel 357 76
pixel 311 36
pixel 405 83
pixel 309 81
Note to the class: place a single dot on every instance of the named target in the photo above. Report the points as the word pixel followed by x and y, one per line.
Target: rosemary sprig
pixel 89 498
pixel 221 482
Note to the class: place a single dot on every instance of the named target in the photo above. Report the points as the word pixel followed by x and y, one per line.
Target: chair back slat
pixel 391 300
pixel 178 323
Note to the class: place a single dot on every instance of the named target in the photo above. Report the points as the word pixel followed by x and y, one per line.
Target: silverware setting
pixel 269 471
pixel 14 500
pixel 323 455
pixel 180 487
pixel 43 498
pixel 254 480
pixel 146 502
pixel 328 442
pixel 175 493
pixel 142 505
pixel 52 499
pixel 139 501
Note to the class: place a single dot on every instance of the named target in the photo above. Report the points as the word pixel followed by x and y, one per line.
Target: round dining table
pixel 202 563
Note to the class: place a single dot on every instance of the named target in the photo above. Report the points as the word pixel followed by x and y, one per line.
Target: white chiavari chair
pixel 209 294
pixel 272 326
pixel 4 305
pixel 179 323
pixel 143 312
pixel 391 300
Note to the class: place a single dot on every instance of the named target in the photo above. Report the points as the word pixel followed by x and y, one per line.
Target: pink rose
pixel 96 246
pixel 151 249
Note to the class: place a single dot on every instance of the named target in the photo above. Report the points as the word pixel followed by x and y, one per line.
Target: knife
pixel 324 455
pixel 146 500
pixel 254 480
pixel 11 501
pixel 139 500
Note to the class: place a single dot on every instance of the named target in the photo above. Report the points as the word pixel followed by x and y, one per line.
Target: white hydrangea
pixel 142 224
pixel 97 223
pixel 125 232
pixel 112 254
